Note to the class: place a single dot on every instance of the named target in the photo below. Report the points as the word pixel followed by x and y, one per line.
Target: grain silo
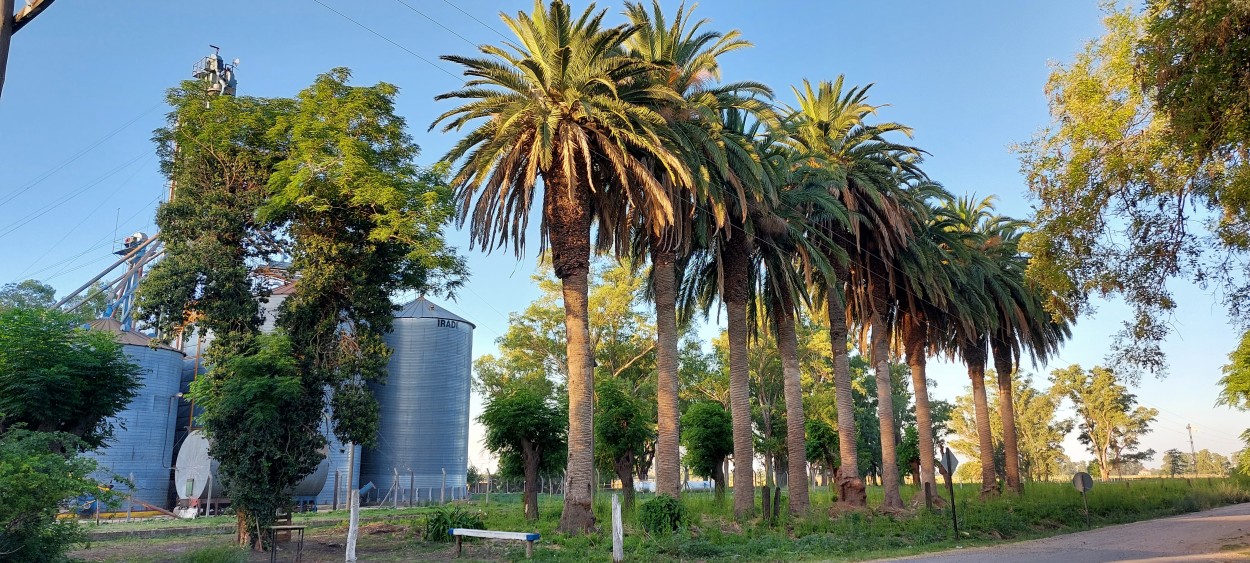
pixel 143 436
pixel 198 483
pixel 424 407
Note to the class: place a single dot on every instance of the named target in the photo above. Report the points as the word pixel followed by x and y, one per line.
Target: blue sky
pixel 85 90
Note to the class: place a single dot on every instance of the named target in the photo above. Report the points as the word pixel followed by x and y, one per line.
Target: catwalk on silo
pixel 424 408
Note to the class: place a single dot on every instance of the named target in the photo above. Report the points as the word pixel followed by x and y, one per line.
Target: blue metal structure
pixel 144 431
pixel 424 406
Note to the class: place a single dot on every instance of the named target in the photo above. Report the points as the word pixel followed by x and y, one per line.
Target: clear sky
pixel 86 80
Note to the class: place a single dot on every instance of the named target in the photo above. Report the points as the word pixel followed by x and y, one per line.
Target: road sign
pixel 949 461
pixel 1083 482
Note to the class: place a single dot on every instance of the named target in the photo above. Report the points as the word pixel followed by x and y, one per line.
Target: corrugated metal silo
pixel 424 406
pixel 143 437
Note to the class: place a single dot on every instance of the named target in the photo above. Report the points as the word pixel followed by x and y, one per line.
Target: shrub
pixel 441 520
pixel 661 515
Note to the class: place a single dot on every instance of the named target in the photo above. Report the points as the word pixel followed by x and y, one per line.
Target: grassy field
pixel 711 534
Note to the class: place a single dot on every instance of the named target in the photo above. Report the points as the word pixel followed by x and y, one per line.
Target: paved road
pixel 1222 534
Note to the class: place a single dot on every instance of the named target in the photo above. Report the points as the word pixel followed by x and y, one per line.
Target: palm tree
pixel 722 266
pixel 927 292
pixel 829 129
pixel 790 252
pixel 970 340
pixel 686 62
pixel 1024 325
pixel 563 104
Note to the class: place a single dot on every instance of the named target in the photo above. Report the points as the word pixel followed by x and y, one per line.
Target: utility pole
pixel 1193 454
pixel 10 23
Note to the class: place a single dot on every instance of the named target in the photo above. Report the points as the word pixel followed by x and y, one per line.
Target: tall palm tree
pixel 561 103
pixel 721 267
pixel 1024 325
pixel 790 253
pixel 970 340
pixel 829 128
pixel 686 62
pixel 926 292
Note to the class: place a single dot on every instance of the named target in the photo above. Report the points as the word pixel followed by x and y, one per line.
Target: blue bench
pixel 528 537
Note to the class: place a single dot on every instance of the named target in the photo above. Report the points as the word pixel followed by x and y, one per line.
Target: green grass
pixel 712 535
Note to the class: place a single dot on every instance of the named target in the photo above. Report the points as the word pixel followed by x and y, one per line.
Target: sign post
pixel 1083 483
pixel 949 462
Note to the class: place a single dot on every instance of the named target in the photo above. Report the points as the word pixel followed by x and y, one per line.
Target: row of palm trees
pixel 764 209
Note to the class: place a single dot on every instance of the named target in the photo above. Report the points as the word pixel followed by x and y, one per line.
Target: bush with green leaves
pixel 439 522
pixel 216 554
pixel 661 515
pixel 35 481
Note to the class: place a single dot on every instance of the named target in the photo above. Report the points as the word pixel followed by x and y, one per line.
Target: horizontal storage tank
pixel 143 434
pixel 195 469
pixel 424 407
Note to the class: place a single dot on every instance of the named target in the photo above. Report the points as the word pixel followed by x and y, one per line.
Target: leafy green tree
pixel 707 435
pixel 1144 142
pixel 1243 457
pixel 623 426
pixel 1235 385
pixel 1110 425
pixel 28 294
pixel 35 481
pixel 822 448
pixel 1211 463
pixel 364 224
pixel 525 427
pixel 56 376
pixel 578 118
pixel 1041 434
pixel 1175 463
pixel 249 401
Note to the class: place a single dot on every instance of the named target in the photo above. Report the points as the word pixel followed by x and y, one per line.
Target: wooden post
pixel 928 496
pixel 459 546
pixel 618 531
pixel 130 496
pixel 412 486
pixel 208 506
pixel 442 490
pixel 335 498
pixel 488 481
pixel 395 501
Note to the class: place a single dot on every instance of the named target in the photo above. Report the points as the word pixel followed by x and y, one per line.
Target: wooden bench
pixel 528 537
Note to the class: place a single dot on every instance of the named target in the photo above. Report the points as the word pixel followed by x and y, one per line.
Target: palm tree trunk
pixel 567 214
pixel 885 413
pixel 796 441
pixel 914 336
pixel 976 371
pixel 850 487
pixel 736 268
pixel 1003 365
pixel 667 452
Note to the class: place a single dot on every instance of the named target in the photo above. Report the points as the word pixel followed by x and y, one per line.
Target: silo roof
pixel 423 308
pixel 126 336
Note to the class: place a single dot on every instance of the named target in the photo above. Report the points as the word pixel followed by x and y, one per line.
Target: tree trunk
pixel 667 448
pixel 1003 365
pixel 718 479
pixel 850 487
pixel 735 284
pixel 766 499
pixel 567 214
pixel 625 472
pixel 914 343
pixel 796 441
pixel 976 371
pixel 530 458
pixel 885 412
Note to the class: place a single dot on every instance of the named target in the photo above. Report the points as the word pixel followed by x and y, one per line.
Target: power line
pixel 474 18
pixel 387 39
pixel 77 155
pixel 66 198
pixel 436 22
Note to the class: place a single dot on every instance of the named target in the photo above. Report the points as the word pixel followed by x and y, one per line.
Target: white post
pixel 442 491
pixel 353 526
pixel 618 531
pixel 353 502
pixel 395 501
